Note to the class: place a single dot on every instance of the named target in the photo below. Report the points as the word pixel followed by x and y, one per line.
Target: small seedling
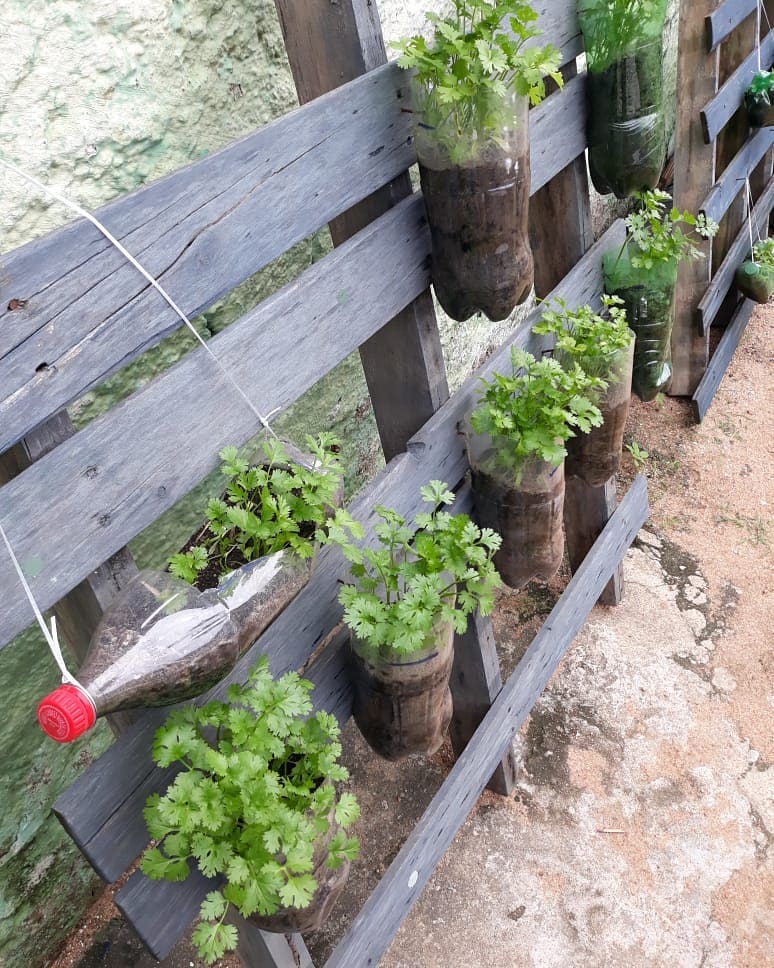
pixel 638 455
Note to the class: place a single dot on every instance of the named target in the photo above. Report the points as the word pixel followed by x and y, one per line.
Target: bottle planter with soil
pixel 758 100
pixel 472 87
pixel 170 637
pixel 516 441
pixel 408 597
pixel 755 277
pixel 603 347
pixel 643 275
pixel 258 804
pixel 626 127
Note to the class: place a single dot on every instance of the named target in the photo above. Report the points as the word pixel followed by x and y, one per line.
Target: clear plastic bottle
pixel 162 641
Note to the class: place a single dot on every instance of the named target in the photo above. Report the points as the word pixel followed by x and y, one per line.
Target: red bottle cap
pixel 66 713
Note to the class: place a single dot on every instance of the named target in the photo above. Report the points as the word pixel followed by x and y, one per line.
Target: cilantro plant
pixel 759 97
pixel 586 338
pixel 534 410
pixel 477 55
pixel 613 29
pixel 251 804
pixel 656 241
pixel 763 253
pixel 440 570
pixel 274 505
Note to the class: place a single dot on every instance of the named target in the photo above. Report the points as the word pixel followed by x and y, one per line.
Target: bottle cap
pixel 66 713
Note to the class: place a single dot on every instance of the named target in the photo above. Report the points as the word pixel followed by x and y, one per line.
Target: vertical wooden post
pixel 694 176
pixel 329 44
pixel 560 233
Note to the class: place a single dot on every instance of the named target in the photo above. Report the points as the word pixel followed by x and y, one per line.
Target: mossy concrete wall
pixel 98 97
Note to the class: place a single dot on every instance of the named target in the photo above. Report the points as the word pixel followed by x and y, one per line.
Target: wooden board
pixel 721 22
pixel 727 187
pixel 397 892
pixel 721 358
pixel 724 105
pixel 723 279
pixel 586 513
pixel 104 794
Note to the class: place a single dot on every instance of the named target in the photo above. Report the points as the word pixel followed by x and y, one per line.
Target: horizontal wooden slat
pixel 397 892
pixel 723 279
pixel 437 451
pixel 201 230
pixel 719 111
pixel 732 334
pixel 81 503
pixel 88 312
pixel 728 16
pixel 732 181
pixel 558 19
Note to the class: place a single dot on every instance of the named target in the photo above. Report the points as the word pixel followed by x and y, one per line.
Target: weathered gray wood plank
pixel 202 231
pixel 381 916
pixel 724 105
pixel 586 512
pixel 558 19
pixel 122 471
pixel 722 356
pixel 104 792
pixel 732 181
pixel 721 22
pixel 723 279
pixel 557 132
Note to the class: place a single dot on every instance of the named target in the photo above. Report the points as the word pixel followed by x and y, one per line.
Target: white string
pixel 50 635
pixel 73 206
pixel 758 34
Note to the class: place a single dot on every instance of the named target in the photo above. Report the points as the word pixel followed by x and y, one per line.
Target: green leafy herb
pixel 638 455
pixel 477 55
pixel 762 84
pixel 613 29
pixel 763 253
pixel 251 804
pixel 277 504
pixel 441 570
pixel 534 410
pixel 586 338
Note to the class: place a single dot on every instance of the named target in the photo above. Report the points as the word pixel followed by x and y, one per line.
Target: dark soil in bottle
pixel 626 128
pixel 481 261
pixel 403 706
pixel 650 312
pixel 530 523
pixel 595 457
pixel 759 110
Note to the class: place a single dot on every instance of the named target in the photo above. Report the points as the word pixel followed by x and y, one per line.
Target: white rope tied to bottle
pixel 51 636
pixel 79 210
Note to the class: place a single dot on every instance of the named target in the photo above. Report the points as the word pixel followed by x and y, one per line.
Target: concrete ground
pixel 640 833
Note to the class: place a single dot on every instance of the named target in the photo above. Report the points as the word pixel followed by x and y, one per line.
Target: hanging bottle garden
pixel 472 87
pixel 755 276
pixel 758 99
pixel 603 347
pixel 407 598
pixel 643 274
pixel 170 636
pixel 516 448
pixel 626 126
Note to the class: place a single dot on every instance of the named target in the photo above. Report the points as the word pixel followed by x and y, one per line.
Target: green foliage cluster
pixel 762 85
pixel 275 505
pixel 656 241
pixel 251 804
pixel 468 70
pixel 763 252
pixel 613 29
pixel 532 412
pixel 441 570
pixel 586 338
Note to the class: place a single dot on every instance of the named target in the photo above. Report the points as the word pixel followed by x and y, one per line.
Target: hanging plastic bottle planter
pixel 472 87
pixel 406 599
pixel 643 274
pixel 758 100
pixel 170 637
pixel 626 126
pixel 755 277
pixel 603 347
pixel 516 447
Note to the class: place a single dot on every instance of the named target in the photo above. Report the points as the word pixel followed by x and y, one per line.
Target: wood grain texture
pixel 721 22
pixel 723 106
pixel 586 512
pixel 723 279
pixel 694 177
pixel 397 892
pixel 705 392
pixel 201 231
pixel 106 792
pixel 727 186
